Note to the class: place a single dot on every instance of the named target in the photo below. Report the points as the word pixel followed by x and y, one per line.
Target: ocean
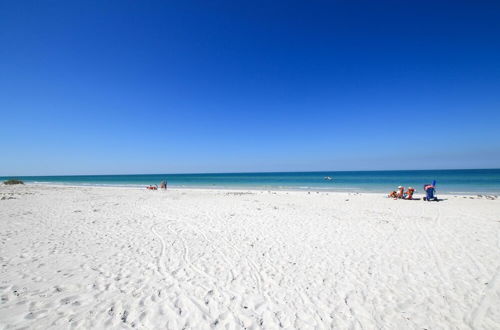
pixel 472 181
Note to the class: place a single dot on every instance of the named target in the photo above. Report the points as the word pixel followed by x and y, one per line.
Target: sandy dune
pixel 91 257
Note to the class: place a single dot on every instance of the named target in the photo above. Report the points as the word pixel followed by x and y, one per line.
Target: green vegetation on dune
pixel 12 181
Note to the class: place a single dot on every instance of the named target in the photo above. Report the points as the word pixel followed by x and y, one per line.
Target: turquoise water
pixel 485 181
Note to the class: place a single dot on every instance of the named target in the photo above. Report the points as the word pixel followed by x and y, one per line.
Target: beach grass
pixel 13 181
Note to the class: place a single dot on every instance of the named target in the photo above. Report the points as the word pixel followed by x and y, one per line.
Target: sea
pixel 470 181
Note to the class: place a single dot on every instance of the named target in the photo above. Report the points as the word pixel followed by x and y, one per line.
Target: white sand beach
pixel 123 258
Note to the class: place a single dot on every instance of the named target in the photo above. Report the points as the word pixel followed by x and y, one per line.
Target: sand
pixel 122 258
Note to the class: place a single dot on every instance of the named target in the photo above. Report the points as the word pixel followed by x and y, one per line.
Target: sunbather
pixel 393 194
pixel 401 192
pixel 409 193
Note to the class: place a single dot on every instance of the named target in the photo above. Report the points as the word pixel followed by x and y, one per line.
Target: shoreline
pixel 258 189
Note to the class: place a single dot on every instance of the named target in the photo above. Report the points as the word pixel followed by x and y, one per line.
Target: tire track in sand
pixel 446 288
pixel 492 289
pixel 162 268
pixel 476 317
pixel 170 225
pixel 297 288
pixel 480 267
pixel 445 278
pixel 255 274
pixel 185 254
pixel 160 259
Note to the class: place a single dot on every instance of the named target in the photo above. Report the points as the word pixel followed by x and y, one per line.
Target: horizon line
pixel 249 172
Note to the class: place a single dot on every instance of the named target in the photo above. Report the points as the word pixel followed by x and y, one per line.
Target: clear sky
pixel 90 87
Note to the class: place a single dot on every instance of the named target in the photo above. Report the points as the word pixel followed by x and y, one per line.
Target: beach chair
pixel 429 193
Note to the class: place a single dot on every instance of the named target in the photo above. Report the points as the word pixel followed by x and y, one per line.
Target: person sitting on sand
pixel 401 192
pixel 409 193
pixel 429 191
pixel 393 194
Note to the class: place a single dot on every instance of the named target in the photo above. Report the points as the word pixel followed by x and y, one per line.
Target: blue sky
pixel 90 87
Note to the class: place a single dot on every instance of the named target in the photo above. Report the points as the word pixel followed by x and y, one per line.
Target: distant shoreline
pixel 418 195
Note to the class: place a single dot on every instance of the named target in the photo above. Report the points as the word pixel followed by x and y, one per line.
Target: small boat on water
pixel 328 178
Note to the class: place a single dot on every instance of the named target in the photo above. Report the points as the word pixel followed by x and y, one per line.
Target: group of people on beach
pixel 163 185
pixel 402 194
